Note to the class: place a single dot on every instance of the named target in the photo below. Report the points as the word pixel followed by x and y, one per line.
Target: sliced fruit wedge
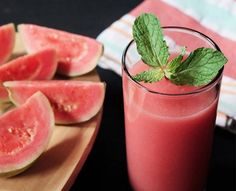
pixel 72 101
pixel 24 134
pixel 7 41
pixel 77 54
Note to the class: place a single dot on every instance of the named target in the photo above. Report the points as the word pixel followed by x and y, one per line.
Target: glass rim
pixel 196 91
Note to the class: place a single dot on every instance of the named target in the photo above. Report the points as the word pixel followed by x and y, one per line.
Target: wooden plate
pixel 69 147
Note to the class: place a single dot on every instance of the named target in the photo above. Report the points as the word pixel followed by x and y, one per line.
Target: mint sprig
pixel 198 69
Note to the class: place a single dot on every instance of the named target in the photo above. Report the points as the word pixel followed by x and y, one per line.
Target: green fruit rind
pixel 22 159
pixel 15 172
pixel 5 107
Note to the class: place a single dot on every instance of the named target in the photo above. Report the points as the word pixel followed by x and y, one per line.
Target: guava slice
pixel 38 66
pixel 7 41
pixel 72 101
pixel 77 54
pixel 25 132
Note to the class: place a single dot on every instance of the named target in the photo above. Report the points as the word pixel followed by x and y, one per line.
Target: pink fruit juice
pixel 169 132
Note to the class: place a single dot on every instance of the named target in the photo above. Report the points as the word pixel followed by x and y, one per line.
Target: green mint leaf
pixel 174 63
pixel 152 75
pixel 202 65
pixel 149 39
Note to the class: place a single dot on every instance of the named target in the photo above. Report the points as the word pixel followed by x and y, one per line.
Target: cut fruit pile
pixel 41 101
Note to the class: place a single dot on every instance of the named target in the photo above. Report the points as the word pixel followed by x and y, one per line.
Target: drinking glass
pixel 169 135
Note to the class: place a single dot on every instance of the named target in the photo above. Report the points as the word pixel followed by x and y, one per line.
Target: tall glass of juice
pixel 168 128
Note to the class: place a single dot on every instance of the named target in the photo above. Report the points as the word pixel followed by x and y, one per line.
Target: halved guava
pixel 77 54
pixel 72 101
pixel 25 132
pixel 7 41
pixel 38 66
